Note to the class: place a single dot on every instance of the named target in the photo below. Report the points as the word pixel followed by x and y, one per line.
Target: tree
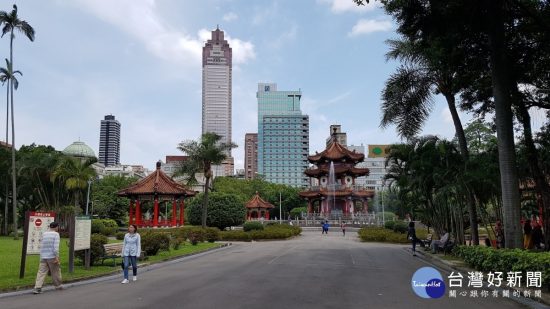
pixel 7 76
pixel 107 204
pixel 224 210
pixel 203 154
pixel 407 98
pixel 75 174
pixel 11 22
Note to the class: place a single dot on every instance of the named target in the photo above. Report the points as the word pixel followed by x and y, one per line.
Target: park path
pixel 309 271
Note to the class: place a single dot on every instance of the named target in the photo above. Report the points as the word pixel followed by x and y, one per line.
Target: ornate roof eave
pixel 258 202
pixel 156 184
pixel 336 152
pixel 322 171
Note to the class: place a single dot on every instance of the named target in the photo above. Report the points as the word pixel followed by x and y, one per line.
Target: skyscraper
pixel 283 136
pixel 250 155
pixel 109 141
pixel 216 91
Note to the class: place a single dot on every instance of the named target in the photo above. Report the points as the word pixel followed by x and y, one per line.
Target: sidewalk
pixel 116 274
pixel 457 265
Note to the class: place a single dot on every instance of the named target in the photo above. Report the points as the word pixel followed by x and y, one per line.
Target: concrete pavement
pixel 310 271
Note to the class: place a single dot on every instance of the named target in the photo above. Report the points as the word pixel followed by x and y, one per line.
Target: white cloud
pixel 366 26
pixel 230 17
pixel 342 6
pixel 141 20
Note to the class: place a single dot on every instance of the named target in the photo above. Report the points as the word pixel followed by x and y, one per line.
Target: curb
pixel 448 267
pixel 144 267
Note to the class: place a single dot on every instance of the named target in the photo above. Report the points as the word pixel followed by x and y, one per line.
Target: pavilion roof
pixel 323 192
pixel 156 183
pixel 336 152
pixel 258 202
pixel 338 170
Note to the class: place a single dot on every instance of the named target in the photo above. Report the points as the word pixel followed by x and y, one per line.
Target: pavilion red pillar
pixel 267 214
pixel 138 213
pixel 156 213
pixel 131 212
pixel 182 212
pixel 174 213
pixel 309 207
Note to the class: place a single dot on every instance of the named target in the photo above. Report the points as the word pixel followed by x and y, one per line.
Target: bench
pixel 111 251
pixel 447 247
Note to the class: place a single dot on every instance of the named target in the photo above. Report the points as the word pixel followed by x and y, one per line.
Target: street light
pixel 88 195
pixel 382 201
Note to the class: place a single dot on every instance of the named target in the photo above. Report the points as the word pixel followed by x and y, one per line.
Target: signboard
pixel 83 232
pixel 378 151
pixel 39 222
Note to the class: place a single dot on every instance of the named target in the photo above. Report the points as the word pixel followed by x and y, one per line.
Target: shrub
pixel 177 242
pixel 212 234
pixel 97 226
pixel 235 235
pixel 389 225
pixel 275 231
pixel 152 242
pixel 96 248
pixel 381 235
pixel 490 259
pixel 253 225
pixel 223 210
pixel 120 235
pixel 400 227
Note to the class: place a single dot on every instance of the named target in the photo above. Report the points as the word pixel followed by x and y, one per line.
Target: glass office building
pixel 283 136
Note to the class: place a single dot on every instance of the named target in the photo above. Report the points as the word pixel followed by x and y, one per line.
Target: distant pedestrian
pixel 343 227
pixel 131 250
pixel 411 235
pixel 49 259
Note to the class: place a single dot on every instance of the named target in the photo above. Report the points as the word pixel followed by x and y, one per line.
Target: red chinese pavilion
pixel 257 208
pixel 158 189
pixel 335 191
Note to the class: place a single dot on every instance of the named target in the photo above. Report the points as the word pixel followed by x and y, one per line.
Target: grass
pixel 11 258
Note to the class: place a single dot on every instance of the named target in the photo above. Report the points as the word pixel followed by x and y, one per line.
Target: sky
pixel 140 60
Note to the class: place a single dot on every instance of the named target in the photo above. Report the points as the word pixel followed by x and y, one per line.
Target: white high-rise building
pixel 216 91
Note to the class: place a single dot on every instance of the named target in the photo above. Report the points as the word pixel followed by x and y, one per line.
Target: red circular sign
pixel 38 222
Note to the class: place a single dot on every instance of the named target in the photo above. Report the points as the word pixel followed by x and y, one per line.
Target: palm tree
pixel 74 173
pixel 11 22
pixel 203 154
pixel 408 98
pixel 8 76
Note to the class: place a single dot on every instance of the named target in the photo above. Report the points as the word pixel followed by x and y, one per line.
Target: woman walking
pixel 411 234
pixel 131 250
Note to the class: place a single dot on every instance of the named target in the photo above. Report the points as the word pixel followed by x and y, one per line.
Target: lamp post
pixel 88 195
pixel 280 209
pixel 382 200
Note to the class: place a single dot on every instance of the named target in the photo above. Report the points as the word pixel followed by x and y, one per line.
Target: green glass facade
pixel 283 136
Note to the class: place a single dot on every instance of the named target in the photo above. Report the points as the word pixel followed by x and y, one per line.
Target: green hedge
pixel 96 248
pixel 107 227
pixel 378 234
pixel 489 259
pixel 276 231
pixel 252 226
pixel 152 242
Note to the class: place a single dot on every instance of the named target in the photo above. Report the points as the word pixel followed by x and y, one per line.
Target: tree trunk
pixel 205 201
pixel 463 145
pixel 504 124
pixel 13 168
pixel 541 185
pixel 6 202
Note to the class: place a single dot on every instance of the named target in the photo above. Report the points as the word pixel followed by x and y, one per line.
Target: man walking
pixel 49 259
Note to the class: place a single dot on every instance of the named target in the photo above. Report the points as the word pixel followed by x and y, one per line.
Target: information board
pixel 83 232
pixel 39 222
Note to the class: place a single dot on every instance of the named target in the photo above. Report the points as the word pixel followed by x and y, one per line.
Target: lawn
pixel 10 260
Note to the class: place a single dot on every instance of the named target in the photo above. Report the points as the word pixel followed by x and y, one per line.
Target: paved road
pixel 311 271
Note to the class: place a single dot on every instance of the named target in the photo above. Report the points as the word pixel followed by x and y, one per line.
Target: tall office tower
pixel 109 141
pixel 341 137
pixel 283 136
pixel 216 92
pixel 250 155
